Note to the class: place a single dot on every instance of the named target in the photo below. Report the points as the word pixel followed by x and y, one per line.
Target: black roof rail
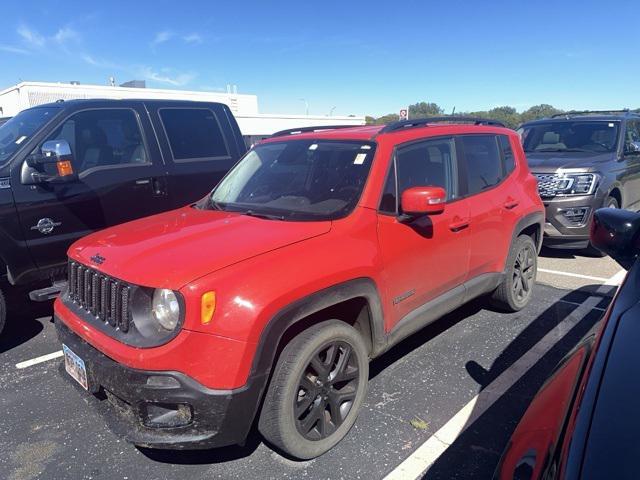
pixel 625 111
pixel 421 122
pixel 319 128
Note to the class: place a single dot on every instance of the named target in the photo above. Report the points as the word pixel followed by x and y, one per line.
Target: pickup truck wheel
pixel 3 312
pixel 318 386
pixel 515 291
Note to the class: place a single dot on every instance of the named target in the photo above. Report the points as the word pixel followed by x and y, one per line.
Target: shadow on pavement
pixel 476 451
pixel 22 314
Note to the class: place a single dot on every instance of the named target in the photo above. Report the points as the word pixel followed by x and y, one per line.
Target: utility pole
pixel 306 106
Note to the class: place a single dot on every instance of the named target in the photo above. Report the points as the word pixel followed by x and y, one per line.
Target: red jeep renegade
pixel 321 249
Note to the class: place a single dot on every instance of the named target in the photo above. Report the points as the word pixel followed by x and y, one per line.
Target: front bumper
pixel 559 230
pixel 164 409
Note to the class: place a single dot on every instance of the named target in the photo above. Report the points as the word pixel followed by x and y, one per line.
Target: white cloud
pixel 30 36
pixel 193 39
pixel 65 34
pixel 99 62
pixel 12 49
pixel 167 76
pixel 161 37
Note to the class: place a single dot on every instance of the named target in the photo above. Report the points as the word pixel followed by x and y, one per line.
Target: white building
pixel 253 124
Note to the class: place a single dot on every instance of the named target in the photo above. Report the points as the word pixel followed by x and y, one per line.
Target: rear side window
pixel 484 166
pixel 507 154
pixel 193 133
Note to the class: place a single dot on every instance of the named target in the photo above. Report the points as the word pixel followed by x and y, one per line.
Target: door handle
pixel 510 204
pixel 459 224
pixel 143 181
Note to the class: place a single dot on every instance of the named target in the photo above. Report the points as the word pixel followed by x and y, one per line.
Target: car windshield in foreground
pixel 564 136
pixel 20 128
pixel 297 180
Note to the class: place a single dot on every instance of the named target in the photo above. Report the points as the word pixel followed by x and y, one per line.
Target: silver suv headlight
pixel 165 308
pixel 566 184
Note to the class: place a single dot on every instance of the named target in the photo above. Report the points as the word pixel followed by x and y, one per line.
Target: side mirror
pixel 632 148
pixel 420 201
pixel 617 233
pixel 53 152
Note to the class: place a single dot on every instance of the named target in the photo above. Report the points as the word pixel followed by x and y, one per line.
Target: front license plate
pixel 75 367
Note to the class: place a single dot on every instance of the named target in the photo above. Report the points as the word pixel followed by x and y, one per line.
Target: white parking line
pixel 617 278
pixel 426 455
pixel 43 358
pixel 575 275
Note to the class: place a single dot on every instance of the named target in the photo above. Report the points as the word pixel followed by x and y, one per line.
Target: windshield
pixel 564 136
pixel 19 129
pixel 297 180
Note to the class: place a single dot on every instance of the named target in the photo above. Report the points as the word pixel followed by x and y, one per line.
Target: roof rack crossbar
pixel 319 128
pixel 421 122
pixel 592 112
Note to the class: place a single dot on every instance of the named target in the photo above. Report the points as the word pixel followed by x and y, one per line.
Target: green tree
pixel 424 109
pixel 538 111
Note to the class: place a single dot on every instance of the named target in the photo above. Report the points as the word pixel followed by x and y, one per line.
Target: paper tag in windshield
pixel 611 125
pixel 21 139
pixel 360 158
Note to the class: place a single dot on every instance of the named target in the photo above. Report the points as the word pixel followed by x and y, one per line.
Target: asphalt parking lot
pixel 445 400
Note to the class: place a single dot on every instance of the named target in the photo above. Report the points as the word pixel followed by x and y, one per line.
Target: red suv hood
pixel 173 248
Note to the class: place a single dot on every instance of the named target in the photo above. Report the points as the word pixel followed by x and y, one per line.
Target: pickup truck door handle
pixel 459 224
pixel 511 203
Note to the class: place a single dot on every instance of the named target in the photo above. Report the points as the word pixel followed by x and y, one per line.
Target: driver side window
pixel 105 137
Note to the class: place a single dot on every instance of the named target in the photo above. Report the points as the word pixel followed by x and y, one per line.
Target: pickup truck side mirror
pixel 632 148
pixel 420 201
pixel 617 233
pixel 53 152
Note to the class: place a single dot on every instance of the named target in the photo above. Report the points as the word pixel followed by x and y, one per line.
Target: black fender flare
pixel 273 332
pixel 535 218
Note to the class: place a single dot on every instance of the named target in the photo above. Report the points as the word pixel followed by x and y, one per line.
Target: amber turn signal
pixel 64 168
pixel 208 307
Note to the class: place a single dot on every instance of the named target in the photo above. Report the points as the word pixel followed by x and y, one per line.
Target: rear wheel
pixel 516 289
pixel 592 251
pixel 316 391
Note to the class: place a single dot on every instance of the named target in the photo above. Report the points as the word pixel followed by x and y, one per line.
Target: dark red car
pixel 583 423
pixel 320 250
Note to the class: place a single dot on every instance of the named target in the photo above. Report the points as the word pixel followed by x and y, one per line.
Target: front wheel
pixel 516 289
pixel 318 386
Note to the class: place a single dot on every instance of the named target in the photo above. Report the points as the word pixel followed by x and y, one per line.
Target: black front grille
pixel 104 297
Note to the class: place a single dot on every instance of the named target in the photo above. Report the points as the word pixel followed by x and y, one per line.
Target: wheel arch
pixel 356 302
pixel 531 225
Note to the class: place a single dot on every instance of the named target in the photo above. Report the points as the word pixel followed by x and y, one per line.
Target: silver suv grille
pixel 548 184
pixel 104 297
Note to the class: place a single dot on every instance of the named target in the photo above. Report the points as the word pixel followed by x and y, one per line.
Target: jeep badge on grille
pixel 98 259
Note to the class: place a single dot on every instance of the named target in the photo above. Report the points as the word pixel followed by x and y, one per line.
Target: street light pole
pixel 306 106
pixel 331 111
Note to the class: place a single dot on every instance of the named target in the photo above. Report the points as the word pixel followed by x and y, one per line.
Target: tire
pixel 516 290
pixel 592 251
pixel 301 379
pixel 3 312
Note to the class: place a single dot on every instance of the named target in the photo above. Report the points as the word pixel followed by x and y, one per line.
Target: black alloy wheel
pixel 326 391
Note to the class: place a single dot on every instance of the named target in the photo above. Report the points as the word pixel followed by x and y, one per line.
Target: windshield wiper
pixel 266 216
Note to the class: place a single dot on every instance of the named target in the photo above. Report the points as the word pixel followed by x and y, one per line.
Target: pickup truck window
pixel 193 133
pixel 103 137
pixel 19 129
pixel 297 180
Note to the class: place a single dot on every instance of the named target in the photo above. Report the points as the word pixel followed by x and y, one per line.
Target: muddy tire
pixel 516 289
pixel 317 389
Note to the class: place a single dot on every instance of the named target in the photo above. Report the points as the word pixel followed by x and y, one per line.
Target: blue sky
pixel 359 57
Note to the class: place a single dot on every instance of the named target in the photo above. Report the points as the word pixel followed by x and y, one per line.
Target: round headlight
pixel 165 308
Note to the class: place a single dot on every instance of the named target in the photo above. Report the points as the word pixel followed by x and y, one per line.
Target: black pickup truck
pixel 72 167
